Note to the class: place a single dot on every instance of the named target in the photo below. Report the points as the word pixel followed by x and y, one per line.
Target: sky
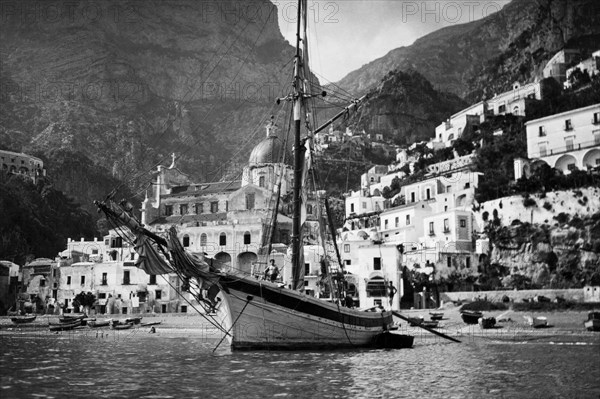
pixel 346 34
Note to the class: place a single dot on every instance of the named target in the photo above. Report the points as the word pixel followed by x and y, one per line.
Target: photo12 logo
pixel 451 12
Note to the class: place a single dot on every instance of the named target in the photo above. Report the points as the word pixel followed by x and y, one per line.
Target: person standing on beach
pixel 391 292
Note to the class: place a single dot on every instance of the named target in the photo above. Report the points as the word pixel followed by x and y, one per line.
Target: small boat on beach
pixel 64 326
pixel 471 316
pixel 436 315
pixel 23 319
pixel 487 322
pixel 593 321
pixel 415 321
pixel 69 318
pixel 153 323
pixel 134 320
pixel 537 322
pixel 429 323
pixel 99 323
pixel 121 326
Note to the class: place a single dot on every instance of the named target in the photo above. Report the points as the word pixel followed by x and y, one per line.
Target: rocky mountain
pixel 405 108
pixel 126 84
pixel 485 56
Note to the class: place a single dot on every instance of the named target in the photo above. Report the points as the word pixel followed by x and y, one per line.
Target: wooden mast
pixel 298 155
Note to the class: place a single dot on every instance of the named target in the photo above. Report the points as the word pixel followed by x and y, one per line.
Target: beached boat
pixel 134 320
pixel 436 315
pixel 471 316
pixel 69 318
pixel 593 321
pixel 415 321
pixel 99 323
pixel 121 326
pixel 429 323
pixel 64 326
pixel 487 322
pixel 23 319
pixel 537 321
pixel 259 314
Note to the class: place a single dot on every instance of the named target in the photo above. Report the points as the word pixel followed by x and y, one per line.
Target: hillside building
pixel 22 164
pixel 565 141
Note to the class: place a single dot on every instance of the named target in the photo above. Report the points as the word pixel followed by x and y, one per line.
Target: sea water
pixel 142 365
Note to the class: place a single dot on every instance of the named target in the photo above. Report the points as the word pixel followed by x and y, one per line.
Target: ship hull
pixel 261 315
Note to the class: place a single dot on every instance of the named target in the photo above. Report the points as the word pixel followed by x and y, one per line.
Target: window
pixel 250 197
pixel 116 242
pixel 152 279
pixel 141 296
pixel 385 223
pixel 364 205
pixel 247 238
pixel 431 229
pixel 428 193
pixel 376 263
pixel 94 252
pixel 568 125
pixel 68 280
pixel 348 262
pixel 541 131
pixel 446 226
pixel 183 309
pixel 407 220
pixel 502 109
pixel 183 209
pixel 377 302
pixel 449 261
pixel 223 239
pixel 351 208
pixel 596 119
pixel 158 294
pixel 467 185
pixel 569 143
pixel 412 197
pixel 168 210
pixel 306 269
pixel 468 262
pixel 214 206
pixel 42 283
pixel 102 295
pixel 376 287
pixel 126 277
pixel 463 223
pixel 543 151
pixel 82 280
pixel 198 209
pixel 163 308
pixel 448 189
pixel 346 248
pixel 596 136
pixel 261 181
pixel 203 239
pixel 309 209
pixel 397 222
pixel 445 208
pixel 104 279
pixel 186 241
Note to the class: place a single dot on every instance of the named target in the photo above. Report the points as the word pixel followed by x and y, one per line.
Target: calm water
pixel 150 366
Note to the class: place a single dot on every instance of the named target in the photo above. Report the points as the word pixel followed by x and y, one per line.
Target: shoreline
pixel 565 325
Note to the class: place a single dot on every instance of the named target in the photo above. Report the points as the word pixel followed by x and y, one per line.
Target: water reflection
pixel 159 367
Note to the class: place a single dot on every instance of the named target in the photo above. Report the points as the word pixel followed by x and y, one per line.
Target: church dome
pixel 270 150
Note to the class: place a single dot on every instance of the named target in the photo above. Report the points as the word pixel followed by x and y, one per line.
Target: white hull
pixel 259 323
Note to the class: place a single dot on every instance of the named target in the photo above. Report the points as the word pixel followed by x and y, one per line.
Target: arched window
pixel 247 238
pixel 376 287
pixel 186 241
pixel 222 239
pixel 203 240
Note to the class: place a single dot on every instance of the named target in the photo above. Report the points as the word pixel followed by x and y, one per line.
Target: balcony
pixel 564 149
pixel 103 282
pixel 596 121
pixel 126 281
pixel 446 231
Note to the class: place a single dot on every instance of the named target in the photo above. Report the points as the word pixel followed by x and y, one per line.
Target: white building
pixel 514 101
pixel 22 164
pixel 454 126
pixel 590 67
pixel 567 140
pixel 557 65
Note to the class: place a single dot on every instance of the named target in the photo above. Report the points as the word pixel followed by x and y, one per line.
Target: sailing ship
pixel 254 313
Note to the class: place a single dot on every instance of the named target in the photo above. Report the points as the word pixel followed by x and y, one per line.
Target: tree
pixel 86 300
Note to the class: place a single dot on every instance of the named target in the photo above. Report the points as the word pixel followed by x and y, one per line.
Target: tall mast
pixel 298 155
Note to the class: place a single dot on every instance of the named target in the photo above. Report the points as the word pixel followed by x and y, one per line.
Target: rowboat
pixel 99 323
pixel 120 326
pixel 415 321
pixel 23 319
pixel 436 315
pixel 487 322
pixel 537 322
pixel 69 318
pixel 471 316
pixel 64 326
pixel 133 320
pixel 593 321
